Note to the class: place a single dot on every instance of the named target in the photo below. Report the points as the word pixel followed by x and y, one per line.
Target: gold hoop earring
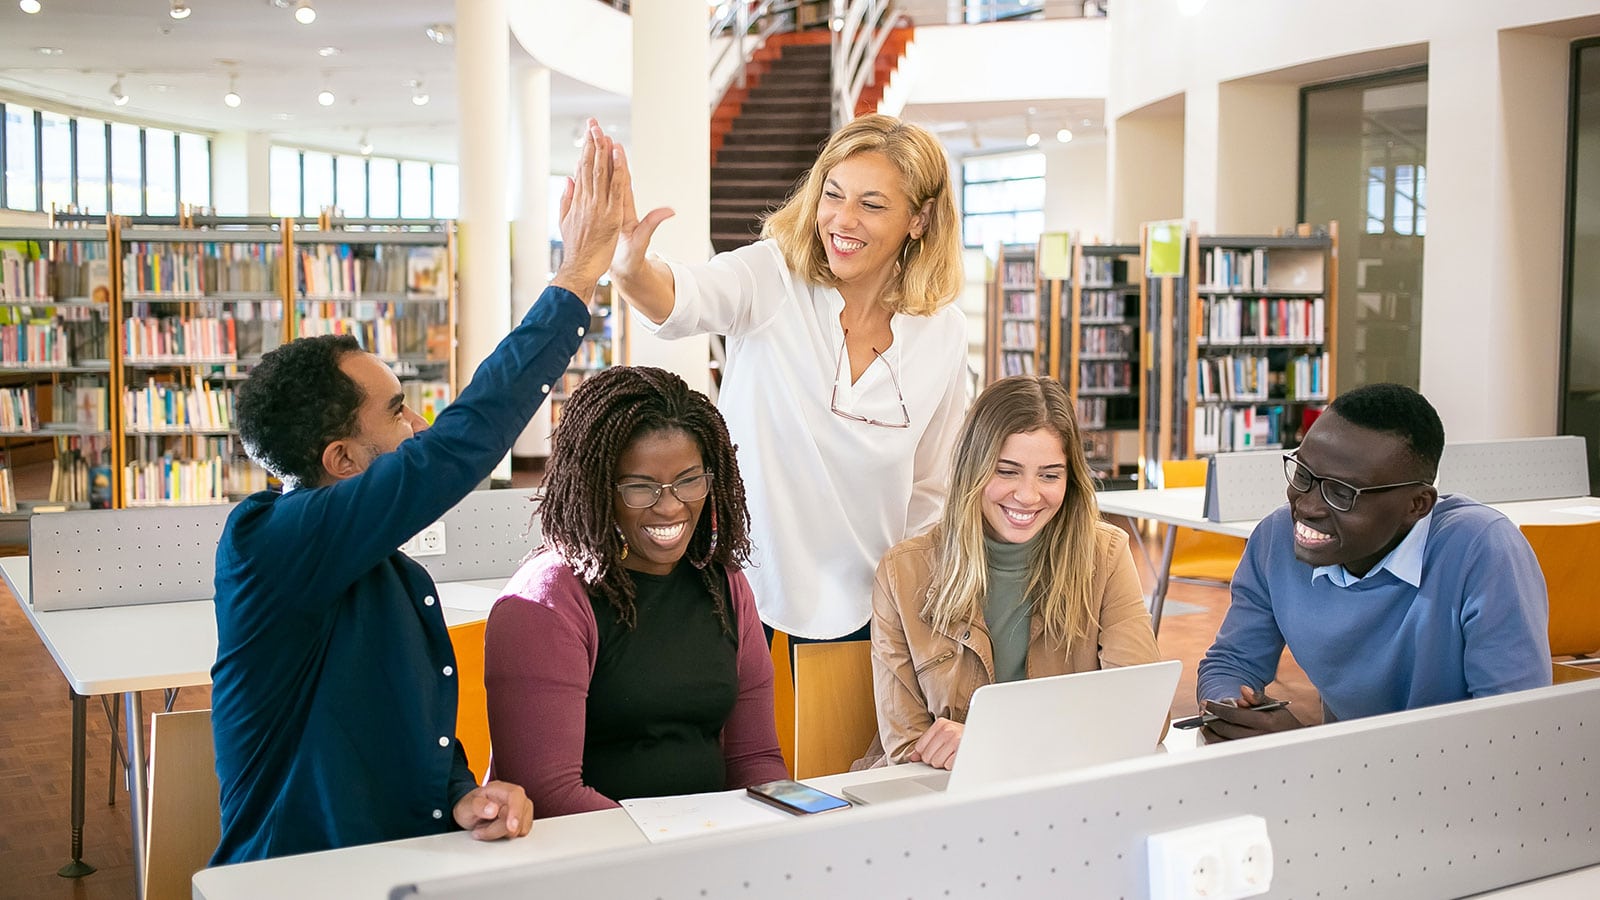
pixel 624 554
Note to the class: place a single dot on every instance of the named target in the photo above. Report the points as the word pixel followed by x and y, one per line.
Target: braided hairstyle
pixel 602 418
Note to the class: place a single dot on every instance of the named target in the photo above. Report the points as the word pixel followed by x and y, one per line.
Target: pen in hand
pixel 1208 718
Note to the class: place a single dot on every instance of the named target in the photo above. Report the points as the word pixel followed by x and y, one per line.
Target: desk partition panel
pixel 1441 802
pixel 1518 469
pixel 486 536
pixel 1244 486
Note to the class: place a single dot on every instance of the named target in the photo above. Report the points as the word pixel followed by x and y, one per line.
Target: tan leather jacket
pixel 920 674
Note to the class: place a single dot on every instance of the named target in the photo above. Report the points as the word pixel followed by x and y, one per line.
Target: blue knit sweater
pixel 1476 626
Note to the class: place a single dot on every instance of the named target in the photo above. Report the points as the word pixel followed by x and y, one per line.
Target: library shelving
pixel 1019 316
pixel 604 345
pixel 1244 343
pixel 55 368
pixel 1104 330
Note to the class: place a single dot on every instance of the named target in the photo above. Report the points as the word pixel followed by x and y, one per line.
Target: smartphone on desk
pixel 797 798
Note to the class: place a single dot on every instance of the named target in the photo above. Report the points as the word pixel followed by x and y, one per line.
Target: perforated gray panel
pixel 1518 469
pixel 486 536
pixel 1244 486
pixel 123 557
pixel 1434 803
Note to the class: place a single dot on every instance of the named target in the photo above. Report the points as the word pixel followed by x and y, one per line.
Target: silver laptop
pixel 1043 726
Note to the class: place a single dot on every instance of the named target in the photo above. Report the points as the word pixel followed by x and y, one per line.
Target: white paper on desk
pixel 1590 511
pixel 470 597
pixel 689 815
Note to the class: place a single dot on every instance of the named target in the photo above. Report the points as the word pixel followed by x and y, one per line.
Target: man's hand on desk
pixel 938 745
pixel 1235 719
pixel 494 811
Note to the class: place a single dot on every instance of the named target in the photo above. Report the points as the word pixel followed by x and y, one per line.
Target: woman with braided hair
pixel 625 658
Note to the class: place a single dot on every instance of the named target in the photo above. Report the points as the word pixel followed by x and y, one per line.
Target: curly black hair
pixel 602 418
pixel 295 403
pixel 1398 410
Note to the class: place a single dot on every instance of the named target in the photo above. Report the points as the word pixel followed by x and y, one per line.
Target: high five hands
pixel 594 204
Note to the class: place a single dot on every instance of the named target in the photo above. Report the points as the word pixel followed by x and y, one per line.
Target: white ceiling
pixel 175 72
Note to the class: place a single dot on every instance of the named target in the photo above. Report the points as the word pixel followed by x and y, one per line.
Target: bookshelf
pixel 1019 316
pixel 1104 327
pixel 55 369
pixel 604 345
pixel 1244 344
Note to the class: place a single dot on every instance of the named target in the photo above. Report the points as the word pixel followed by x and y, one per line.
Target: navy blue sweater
pixel 334 692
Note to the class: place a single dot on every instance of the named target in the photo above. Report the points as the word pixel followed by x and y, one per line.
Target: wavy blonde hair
pixel 929 277
pixel 1061 566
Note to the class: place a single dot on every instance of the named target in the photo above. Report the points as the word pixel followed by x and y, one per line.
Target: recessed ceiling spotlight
pixel 303 12
pixel 118 96
pixel 1064 135
pixel 232 98
pixel 419 96
pixel 283 117
pixel 441 33
pixel 365 147
pixel 326 52
pixel 281 4
pixel 180 9
pixel 49 51
pixel 325 97
pixel 31 7
pixel 160 88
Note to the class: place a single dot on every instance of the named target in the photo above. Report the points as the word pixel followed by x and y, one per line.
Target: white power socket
pixel 1222 860
pixel 427 542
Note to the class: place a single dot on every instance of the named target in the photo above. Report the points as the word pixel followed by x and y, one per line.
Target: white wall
pixel 239 169
pixel 1075 188
pixel 581 39
pixel 1147 169
pixel 1054 58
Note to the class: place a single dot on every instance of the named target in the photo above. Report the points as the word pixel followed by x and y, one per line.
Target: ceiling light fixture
pixel 180 9
pixel 419 97
pixel 31 7
pixel 365 147
pixel 325 97
pixel 1027 124
pixel 118 97
pixel 232 98
pixel 326 52
pixel 1064 135
pixel 441 33
pixel 49 51
pixel 303 13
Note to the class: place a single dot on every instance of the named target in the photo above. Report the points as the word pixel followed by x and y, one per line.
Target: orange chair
pixel 835 718
pixel 472 705
pixel 1566 555
pixel 1199 555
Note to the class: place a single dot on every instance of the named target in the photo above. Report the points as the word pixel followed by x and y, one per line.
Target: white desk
pixel 128 649
pixel 1185 507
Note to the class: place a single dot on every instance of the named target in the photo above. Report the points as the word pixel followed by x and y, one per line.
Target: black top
pixel 661 691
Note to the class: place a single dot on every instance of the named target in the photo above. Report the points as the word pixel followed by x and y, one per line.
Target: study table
pixel 155 646
pixel 1185 508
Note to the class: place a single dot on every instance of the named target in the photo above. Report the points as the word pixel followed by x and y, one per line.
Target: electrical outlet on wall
pixel 1224 860
pixel 427 542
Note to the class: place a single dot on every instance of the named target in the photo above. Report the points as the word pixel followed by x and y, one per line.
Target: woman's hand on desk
pixel 937 746
pixel 496 810
pixel 1236 719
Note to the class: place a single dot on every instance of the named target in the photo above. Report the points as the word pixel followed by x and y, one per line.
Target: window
pixel 160 172
pixel 283 181
pixel 55 159
pixel 383 188
pixel 1580 357
pixel 362 187
pixel 21 171
pixel 350 178
pixel 92 166
pixel 127 175
pixel 1002 199
pixel 194 171
pixel 446 192
pixel 416 190
pixel 317 190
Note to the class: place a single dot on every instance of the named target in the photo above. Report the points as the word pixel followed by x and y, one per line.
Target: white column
pixel 1492 270
pixel 240 164
pixel 1200 156
pixel 1147 171
pixel 670 152
pixel 530 244
pixel 483 71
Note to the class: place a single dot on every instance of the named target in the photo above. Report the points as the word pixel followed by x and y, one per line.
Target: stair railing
pixel 741 27
pixel 860 28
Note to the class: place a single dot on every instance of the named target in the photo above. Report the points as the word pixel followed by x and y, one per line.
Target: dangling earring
pixel 624 554
pixel 711 549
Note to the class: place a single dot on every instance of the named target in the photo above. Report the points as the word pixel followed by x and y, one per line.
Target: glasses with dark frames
pixel 645 494
pixel 1339 495
pixel 833 404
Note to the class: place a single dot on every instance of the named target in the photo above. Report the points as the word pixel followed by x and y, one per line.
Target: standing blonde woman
pixel 1020 578
pixel 846 376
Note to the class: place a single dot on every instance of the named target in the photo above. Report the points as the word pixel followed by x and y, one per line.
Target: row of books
pixel 84 402
pixel 1104 270
pixel 1017 272
pixel 1107 340
pixel 377 336
pixel 593 355
pixel 1241 377
pixel 337 271
pixel 73 479
pixel 1235 320
pixel 176 481
pixel 19 413
pixel 1236 270
pixel 1105 376
pixel 1091 411
pixel 426 398
pixel 1019 335
pixel 35 345
pixel 151 268
pixel 1017 364
pixel 161 407
pixel 1222 429
pixel 174 339
pixel 1022 303
pixel 23 277
pixel 8 491
pixel 1306 377
pixel 1102 305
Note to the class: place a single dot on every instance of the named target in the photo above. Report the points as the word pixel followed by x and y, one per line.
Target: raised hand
pixel 592 207
pixel 633 240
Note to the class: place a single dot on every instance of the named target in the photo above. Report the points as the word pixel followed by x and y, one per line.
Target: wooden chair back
pixel 835 719
pixel 185 812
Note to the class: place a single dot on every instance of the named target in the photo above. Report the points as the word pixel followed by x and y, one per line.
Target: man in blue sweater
pixel 1389 596
pixel 334 690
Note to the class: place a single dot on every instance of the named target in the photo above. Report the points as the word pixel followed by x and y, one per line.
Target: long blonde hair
pixel 1061 566
pixel 929 277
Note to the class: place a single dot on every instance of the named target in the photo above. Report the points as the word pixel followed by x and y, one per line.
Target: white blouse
pixel 828 496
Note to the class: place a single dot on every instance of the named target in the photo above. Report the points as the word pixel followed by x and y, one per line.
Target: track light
pixel 365 147
pixel 1064 135
pixel 1027 125
pixel 232 98
pixel 31 7
pixel 118 97
pixel 303 13
pixel 180 9
pixel 441 33
pixel 419 96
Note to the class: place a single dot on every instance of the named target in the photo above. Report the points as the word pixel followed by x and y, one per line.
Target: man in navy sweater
pixel 334 690
pixel 1390 596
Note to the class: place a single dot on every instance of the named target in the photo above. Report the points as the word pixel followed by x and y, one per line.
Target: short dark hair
pixel 295 403
pixel 604 415
pixel 1398 410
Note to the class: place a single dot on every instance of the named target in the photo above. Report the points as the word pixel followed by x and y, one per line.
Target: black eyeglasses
pixel 645 494
pixel 1339 495
pixel 834 403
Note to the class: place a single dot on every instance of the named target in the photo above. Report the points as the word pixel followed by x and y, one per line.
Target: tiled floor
pixel 35 744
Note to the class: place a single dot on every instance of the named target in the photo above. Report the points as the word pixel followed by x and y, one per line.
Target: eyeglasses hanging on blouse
pixel 838 368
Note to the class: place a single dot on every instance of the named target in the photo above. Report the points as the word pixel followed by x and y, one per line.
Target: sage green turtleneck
pixel 1005 610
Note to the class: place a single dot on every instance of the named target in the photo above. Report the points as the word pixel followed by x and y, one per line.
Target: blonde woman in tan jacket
pixel 1019 579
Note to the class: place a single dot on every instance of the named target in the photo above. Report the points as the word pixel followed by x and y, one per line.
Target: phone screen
pixel 795 796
